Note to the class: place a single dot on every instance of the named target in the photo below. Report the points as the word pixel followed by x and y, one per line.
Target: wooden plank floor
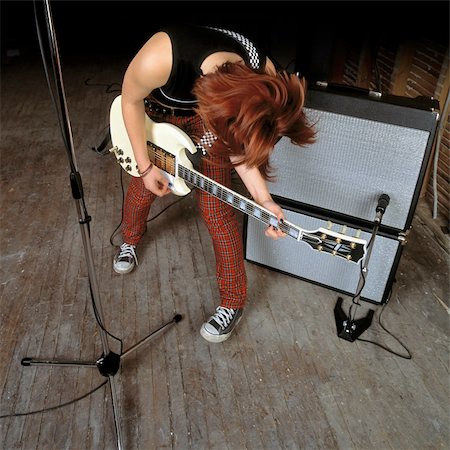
pixel 284 380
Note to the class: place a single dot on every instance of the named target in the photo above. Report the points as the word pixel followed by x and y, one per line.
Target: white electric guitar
pixel 167 146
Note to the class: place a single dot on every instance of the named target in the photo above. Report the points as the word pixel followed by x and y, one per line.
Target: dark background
pixel 299 34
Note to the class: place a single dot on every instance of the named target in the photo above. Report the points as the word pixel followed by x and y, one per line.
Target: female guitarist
pixel 226 94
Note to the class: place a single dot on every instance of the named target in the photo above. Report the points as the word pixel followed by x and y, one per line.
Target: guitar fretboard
pixel 238 201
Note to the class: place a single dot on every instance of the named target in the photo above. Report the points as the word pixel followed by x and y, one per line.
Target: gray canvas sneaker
pixel 221 324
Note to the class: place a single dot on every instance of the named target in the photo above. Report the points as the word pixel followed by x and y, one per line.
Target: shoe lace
pixel 127 250
pixel 223 316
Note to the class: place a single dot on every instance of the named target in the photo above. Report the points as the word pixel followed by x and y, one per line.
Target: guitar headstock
pixel 350 248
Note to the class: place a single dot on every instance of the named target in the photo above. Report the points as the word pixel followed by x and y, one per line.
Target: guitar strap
pixel 205 142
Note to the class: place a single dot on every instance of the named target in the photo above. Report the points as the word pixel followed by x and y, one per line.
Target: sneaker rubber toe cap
pixel 123 267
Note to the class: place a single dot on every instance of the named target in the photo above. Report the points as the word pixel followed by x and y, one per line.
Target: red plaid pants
pixel 219 217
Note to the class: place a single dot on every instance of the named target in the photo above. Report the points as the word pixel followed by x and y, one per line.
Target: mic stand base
pixel 349 329
pixel 107 365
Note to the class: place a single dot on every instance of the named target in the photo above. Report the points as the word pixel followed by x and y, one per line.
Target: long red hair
pixel 250 111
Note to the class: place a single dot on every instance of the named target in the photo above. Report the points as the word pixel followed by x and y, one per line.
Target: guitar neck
pixel 239 202
pixel 328 241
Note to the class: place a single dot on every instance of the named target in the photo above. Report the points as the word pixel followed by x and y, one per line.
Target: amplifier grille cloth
pixel 353 161
pixel 299 259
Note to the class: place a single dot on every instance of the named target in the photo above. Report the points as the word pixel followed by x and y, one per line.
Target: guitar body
pixel 164 135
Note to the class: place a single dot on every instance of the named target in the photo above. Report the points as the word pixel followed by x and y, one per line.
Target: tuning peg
pixel 319 248
pixel 113 149
pixel 344 229
pixel 323 236
pixel 357 235
pixel 349 257
pixel 329 225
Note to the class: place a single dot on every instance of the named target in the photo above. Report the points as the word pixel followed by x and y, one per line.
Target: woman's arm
pixel 148 70
pixel 257 188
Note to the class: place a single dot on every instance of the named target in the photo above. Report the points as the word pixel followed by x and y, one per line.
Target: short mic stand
pixel 348 327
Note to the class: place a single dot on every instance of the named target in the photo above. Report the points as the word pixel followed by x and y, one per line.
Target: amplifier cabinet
pixel 300 260
pixel 366 146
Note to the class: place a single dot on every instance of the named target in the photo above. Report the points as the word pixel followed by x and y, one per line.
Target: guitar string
pixel 233 199
pixel 225 194
pixel 228 196
pixel 210 185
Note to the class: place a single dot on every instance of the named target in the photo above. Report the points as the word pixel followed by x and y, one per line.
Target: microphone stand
pixel 347 327
pixel 108 363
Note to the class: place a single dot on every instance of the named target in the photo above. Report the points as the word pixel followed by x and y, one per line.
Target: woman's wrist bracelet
pixel 146 171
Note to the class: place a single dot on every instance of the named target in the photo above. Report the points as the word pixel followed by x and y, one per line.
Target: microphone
pixel 383 202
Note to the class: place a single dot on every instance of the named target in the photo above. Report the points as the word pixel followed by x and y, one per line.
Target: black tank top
pixel 190 46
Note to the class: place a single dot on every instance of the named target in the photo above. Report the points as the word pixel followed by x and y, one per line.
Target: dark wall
pixel 288 29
